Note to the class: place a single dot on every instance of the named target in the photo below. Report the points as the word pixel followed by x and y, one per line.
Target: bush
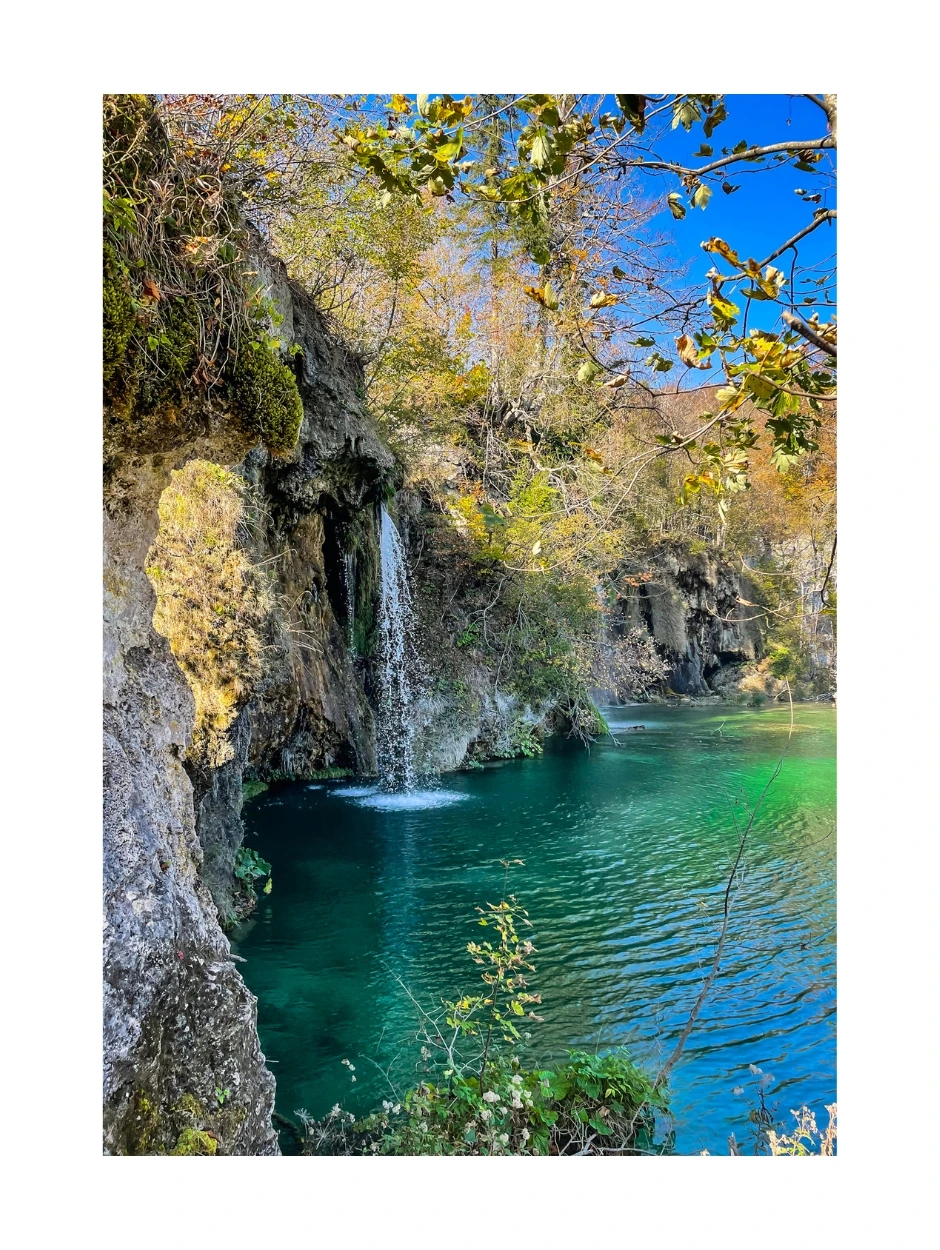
pixel 582 1106
pixel 784 663
pixel 183 325
pixel 479 1099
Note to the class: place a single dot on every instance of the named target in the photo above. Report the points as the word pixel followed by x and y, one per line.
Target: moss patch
pixel 194 1141
pixel 118 310
pixel 265 398
pixel 143 1138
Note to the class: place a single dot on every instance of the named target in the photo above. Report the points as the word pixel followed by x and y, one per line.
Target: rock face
pixel 179 1022
pixel 693 609
pixel 183 1070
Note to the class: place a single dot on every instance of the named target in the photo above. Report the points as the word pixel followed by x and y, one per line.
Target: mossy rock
pixel 194 1141
pixel 265 398
pixel 251 789
pixel 147 1124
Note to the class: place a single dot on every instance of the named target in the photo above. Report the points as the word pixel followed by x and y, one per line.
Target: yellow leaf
pixel 546 295
pixel 688 353
pixel 723 249
pixel 603 300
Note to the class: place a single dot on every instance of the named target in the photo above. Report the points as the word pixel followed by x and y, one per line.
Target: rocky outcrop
pixel 183 1070
pixel 179 1023
pixel 693 608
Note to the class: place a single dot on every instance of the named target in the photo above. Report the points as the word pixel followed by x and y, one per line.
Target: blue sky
pixel 765 212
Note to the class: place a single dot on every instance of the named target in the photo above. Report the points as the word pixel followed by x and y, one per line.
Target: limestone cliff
pixel 693 608
pixel 183 1070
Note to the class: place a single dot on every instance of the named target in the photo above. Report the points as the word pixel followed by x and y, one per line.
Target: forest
pixel 469 455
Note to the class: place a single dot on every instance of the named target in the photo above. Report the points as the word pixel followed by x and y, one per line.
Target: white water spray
pixel 398 670
pixel 350 590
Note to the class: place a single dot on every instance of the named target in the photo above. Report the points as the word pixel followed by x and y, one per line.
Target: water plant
pixel 249 866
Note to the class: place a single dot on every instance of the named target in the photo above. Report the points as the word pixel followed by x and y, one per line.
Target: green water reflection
pixel 626 852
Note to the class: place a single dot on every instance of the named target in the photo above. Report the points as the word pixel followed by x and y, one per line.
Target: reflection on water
pixel 627 849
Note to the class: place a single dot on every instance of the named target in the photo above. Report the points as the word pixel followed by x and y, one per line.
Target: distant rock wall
pixel 693 609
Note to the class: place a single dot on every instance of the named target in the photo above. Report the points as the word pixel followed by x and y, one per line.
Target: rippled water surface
pixel 626 850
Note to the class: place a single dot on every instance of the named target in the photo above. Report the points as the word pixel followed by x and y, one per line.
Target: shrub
pixel 583 1106
pixel 251 789
pixel 183 325
pixel 249 866
pixel 479 1099
pixel 784 663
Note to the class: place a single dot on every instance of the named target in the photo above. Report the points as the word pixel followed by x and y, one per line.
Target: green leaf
pixel 540 152
pixel 676 207
pixel 685 112
pixel 761 387
pixel 588 371
pixel 715 118
pixel 632 107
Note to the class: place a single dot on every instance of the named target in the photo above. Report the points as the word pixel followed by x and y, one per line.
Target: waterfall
pixel 399 671
pixel 350 589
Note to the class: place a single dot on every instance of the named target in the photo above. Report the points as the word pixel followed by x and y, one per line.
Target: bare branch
pixel 828 215
pixel 810 145
pixel 809 334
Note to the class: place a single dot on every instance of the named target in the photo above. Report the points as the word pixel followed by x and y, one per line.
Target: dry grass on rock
pixel 212 604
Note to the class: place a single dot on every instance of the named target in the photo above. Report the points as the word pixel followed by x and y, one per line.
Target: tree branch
pixel 811 145
pixel 828 215
pixel 809 334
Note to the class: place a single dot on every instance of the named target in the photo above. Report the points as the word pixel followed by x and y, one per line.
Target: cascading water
pixel 350 589
pixel 399 674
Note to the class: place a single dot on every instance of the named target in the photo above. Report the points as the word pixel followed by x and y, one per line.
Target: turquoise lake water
pixel 626 852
